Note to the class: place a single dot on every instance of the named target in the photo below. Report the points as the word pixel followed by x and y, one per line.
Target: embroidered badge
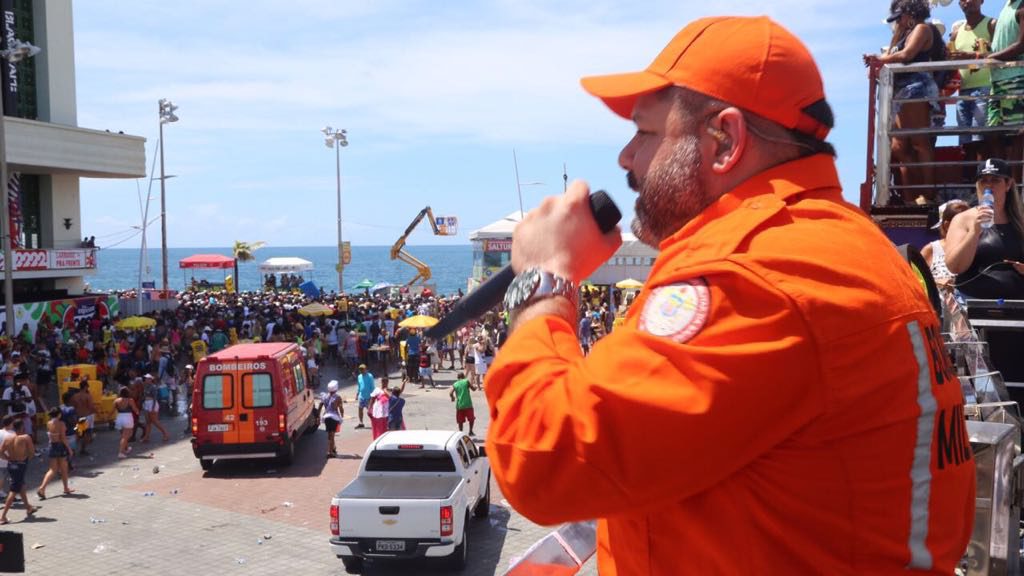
pixel 677 311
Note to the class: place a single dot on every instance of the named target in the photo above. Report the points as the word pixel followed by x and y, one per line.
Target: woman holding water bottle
pixel 985 245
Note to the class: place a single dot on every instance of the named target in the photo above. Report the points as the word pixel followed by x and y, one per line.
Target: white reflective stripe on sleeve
pixel 920 473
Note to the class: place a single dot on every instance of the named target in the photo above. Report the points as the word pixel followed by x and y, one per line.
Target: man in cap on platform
pixel 782 349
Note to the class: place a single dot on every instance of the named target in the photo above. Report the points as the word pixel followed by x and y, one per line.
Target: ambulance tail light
pixel 447 521
pixel 280 423
pixel 335 524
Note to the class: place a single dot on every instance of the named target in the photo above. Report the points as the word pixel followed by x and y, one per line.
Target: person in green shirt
pixel 1007 108
pixel 463 402
pixel 218 341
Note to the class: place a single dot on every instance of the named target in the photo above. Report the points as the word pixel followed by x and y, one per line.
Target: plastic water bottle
pixel 987 199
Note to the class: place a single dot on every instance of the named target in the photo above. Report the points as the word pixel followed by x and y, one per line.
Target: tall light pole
pixel 167 109
pixel 16 52
pixel 339 137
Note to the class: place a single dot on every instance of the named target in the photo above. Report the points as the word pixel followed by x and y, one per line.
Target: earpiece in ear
pixel 718 135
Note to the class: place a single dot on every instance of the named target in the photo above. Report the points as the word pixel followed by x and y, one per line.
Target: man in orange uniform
pixel 777 400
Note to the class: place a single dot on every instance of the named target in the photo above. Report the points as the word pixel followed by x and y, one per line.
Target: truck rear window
pixel 410 461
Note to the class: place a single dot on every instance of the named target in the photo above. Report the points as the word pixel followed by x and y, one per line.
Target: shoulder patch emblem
pixel 677 311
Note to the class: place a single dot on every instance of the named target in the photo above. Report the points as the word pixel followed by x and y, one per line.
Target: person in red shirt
pixel 777 400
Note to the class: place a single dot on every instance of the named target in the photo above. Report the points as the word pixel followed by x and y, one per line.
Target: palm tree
pixel 244 252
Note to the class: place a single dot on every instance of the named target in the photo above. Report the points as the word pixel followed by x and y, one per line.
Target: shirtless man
pixel 17 450
pixel 85 408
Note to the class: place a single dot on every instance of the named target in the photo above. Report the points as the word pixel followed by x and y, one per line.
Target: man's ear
pixel 729 130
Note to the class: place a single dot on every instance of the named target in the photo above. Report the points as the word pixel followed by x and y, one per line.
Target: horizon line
pixel 283 247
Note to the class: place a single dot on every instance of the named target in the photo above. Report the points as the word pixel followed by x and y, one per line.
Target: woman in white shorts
pixel 151 407
pixel 124 406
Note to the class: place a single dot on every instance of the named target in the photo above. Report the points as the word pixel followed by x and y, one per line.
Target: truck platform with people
pixel 981 329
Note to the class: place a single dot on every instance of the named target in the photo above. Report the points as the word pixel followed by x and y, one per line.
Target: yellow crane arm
pixel 400 243
pixel 422 270
pixel 398 249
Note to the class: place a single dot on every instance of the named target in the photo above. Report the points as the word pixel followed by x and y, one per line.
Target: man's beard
pixel 671 194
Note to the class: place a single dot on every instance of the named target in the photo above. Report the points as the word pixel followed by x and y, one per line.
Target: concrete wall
pixel 55 65
pixel 65 204
pixel 39 147
pixel 55 83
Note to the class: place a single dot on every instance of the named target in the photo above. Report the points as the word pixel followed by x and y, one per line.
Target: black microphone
pixel 491 292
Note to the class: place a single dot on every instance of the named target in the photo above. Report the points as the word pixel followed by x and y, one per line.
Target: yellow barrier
pixel 105 412
pixel 66 372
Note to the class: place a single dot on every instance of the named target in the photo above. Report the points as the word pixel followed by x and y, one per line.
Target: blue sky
pixel 435 97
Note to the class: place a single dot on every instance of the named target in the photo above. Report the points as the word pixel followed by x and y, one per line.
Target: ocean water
pixel 118 268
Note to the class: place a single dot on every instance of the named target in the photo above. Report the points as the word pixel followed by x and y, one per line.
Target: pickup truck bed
pixel 410 488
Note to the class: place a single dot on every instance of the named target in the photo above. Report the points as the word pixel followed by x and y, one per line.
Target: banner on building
pixel 14 209
pixel 10 69
pixel 67 311
pixel 502 245
pixel 37 260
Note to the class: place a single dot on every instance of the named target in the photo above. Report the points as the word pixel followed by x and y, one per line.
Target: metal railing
pixel 882 100
pixel 136 307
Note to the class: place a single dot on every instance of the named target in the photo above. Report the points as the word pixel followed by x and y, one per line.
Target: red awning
pixel 207 261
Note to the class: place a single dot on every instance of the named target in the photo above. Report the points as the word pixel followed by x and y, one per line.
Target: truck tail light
pixel 447 524
pixel 280 423
pixel 335 525
pixel 195 426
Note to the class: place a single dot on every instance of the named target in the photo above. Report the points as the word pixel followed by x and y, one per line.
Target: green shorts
pixel 1009 111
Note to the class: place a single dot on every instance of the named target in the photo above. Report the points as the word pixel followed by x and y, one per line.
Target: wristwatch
pixel 534 284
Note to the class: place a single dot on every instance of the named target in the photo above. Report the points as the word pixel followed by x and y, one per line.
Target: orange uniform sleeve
pixel 645 419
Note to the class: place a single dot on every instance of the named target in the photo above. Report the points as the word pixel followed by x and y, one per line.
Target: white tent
pixel 287 265
pixel 496 230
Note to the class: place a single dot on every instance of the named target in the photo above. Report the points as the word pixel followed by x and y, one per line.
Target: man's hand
pixel 1018 266
pixel 561 237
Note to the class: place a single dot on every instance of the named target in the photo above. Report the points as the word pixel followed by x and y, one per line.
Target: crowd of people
pixel 986 97
pixel 151 370
pixel 286 282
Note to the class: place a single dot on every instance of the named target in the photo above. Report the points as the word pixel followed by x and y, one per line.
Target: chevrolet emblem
pixel 390 522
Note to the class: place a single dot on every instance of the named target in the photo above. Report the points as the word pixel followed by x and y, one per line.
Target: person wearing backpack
pixel 332 405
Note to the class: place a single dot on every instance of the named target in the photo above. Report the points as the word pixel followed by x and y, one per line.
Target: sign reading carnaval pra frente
pixel 36 260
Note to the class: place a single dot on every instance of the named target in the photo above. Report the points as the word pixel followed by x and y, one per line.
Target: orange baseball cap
pixel 753 63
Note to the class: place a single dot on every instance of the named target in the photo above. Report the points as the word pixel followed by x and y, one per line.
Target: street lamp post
pixel 339 137
pixel 519 186
pixel 16 52
pixel 167 115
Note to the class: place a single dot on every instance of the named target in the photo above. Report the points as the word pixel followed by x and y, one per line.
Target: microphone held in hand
pixel 490 293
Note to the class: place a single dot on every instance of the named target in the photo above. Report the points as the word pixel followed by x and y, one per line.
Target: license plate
pixel 218 427
pixel 390 545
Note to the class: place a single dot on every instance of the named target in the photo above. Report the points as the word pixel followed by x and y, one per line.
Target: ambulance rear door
pixel 258 414
pixel 219 408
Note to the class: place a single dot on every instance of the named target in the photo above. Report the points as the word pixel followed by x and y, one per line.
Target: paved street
pixel 158 511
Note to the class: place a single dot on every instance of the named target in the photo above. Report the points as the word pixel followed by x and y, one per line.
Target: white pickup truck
pixel 412 499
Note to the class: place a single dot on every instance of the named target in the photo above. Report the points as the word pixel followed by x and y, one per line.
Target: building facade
pixel 47 153
pixel 492 251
